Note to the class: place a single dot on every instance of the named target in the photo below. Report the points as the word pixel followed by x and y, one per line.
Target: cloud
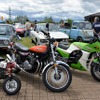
pixel 61 9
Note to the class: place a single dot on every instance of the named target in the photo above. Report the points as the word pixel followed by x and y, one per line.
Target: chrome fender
pixel 51 63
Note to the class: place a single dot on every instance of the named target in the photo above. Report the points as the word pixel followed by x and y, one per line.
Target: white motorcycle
pixel 11 84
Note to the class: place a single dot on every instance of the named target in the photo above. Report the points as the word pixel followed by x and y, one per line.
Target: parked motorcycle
pixel 40 59
pixel 11 84
pixel 81 56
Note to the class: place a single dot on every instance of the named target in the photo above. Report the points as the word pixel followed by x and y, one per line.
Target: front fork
pixel 54 60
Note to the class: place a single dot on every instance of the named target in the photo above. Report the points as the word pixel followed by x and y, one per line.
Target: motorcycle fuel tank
pixel 38 49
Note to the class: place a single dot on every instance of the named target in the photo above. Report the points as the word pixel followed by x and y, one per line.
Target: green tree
pixel 70 21
pixel 20 19
pixel 48 20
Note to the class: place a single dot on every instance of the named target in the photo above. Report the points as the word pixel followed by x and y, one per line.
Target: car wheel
pixel 79 39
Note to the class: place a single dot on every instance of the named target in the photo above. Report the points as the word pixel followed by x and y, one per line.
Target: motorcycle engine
pixel 26 65
pixel 29 63
pixel 31 66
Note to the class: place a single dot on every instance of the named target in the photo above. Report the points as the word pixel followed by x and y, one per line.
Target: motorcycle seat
pixel 21 47
pixel 63 46
pixel 2 59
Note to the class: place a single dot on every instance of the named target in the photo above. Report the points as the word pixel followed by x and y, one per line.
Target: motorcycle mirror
pixel 18 37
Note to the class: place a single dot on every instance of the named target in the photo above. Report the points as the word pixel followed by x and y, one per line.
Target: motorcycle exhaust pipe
pixel 22 69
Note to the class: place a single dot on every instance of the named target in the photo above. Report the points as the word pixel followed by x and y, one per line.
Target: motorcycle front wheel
pixel 95 71
pixel 11 85
pixel 60 82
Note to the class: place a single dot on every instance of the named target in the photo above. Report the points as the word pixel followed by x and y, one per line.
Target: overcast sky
pixel 60 9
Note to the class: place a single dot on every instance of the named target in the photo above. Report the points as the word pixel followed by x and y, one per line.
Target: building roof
pixel 91 17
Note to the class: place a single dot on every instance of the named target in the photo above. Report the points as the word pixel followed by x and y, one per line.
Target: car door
pixel 65 30
pixel 12 32
pixel 74 31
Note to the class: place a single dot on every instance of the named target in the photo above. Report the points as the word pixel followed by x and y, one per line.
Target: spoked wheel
pixel 60 82
pixel 95 71
pixel 11 85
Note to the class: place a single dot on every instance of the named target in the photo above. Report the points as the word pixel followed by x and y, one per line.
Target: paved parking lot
pixel 83 87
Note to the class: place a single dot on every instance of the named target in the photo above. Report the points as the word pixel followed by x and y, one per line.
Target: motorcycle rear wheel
pixel 60 82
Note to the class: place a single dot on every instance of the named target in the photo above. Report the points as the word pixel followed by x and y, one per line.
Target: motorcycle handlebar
pixel 48 35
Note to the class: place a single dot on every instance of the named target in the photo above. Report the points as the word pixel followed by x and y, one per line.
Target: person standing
pixel 27 27
pixel 35 25
pixel 96 27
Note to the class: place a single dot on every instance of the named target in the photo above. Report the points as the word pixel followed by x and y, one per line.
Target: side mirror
pixel 47 26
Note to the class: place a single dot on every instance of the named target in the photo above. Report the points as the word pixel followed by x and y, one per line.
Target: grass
pixel 26 41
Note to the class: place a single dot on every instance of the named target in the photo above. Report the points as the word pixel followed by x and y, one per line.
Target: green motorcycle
pixel 82 56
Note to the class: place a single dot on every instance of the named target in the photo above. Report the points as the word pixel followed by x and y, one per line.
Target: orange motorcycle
pixel 40 59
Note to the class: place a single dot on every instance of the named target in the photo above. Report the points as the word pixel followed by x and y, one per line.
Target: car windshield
pixel 85 25
pixel 52 27
pixel 6 30
pixel 3 30
pixel 21 26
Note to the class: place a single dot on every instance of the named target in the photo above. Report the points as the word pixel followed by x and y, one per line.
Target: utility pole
pixel 21 15
pixel 9 12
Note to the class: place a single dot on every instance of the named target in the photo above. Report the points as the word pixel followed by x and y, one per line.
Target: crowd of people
pixel 29 26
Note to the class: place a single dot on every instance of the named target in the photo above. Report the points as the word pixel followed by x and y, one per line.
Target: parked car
pixel 2 22
pixel 7 34
pixel 16 25
pixel 20 30
pixel 80 31
pixel 39 38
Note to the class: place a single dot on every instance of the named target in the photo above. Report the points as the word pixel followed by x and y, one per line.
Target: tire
pixel 7 83
pixel 79 39
pixel 95 71
pixel 57 80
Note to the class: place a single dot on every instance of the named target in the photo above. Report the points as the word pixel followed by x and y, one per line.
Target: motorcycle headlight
pixel 6 42
pixel 43 40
